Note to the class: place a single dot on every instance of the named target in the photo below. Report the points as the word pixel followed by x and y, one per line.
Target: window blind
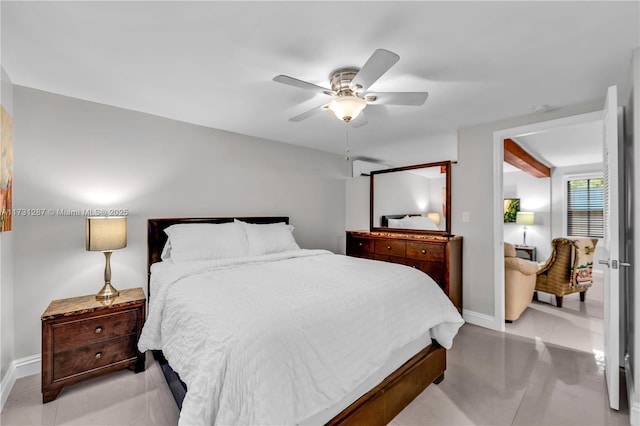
pixel 585 208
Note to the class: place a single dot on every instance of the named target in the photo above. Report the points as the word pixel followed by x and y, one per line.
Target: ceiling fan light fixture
pixel 347 108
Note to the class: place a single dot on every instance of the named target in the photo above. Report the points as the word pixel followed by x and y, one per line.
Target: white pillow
pixel 269 238
pixel 166 251
pixel 205 241
pixel 418 222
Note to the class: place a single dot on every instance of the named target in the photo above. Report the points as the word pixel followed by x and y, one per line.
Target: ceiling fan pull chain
pixel 347 150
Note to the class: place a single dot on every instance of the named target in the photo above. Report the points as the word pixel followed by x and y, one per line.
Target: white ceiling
pixel 567 145
pixel 212 63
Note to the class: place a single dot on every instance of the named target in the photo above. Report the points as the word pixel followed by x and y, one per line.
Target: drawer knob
pixel 99 355
pixel 98 330
pixel 359 244
pixel 388 247
pixel 424 251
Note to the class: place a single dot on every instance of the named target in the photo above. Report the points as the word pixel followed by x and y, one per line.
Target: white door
pixel 611 245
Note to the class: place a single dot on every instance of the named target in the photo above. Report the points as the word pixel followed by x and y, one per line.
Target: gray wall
pixel 6 262
pixel 71 154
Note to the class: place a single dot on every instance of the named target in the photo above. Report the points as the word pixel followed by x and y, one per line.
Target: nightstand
pixel 526 252
pixel 84 338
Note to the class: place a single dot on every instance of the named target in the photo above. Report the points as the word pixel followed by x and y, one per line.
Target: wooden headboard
pixel 156 238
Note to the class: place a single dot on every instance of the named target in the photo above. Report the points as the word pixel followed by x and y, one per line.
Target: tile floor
pixel 545 370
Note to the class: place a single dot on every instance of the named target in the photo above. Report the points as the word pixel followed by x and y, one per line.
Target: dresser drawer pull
pixel 98 330
pixel 359 244
pixel 98 355
pixel 388 247
pixel 424 251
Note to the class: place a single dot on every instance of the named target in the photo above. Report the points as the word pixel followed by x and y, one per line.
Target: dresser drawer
pixel 68 335
pixel 390 247
pixel 434 270
pixel 425 251
pixel 362 247
pixel 90 357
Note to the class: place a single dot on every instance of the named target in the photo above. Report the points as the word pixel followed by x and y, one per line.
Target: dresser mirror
pixel 412 199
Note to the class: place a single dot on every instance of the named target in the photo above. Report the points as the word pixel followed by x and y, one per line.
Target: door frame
pixel 498 190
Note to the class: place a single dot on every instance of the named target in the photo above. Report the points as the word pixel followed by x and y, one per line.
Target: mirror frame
pixel 446 231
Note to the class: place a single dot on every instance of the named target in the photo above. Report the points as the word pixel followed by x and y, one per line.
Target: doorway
pixel 556 224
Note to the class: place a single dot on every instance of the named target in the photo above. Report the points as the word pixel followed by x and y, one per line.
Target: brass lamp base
pixel 107 292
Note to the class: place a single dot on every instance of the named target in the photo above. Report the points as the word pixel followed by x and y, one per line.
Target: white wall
pixel 72 154
pixel 535 196
pixel 473 188
pixel 6 262
pixel 357 197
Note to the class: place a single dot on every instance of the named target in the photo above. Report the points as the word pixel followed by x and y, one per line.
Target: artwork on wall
pixel 511 209
pixel 6 169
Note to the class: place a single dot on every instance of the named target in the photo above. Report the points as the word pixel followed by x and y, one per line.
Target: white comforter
pixel 276 339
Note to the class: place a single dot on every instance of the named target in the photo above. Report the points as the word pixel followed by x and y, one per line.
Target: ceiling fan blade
pixel 285 79
pixel 360 120
pixel 399 98
pixel 372 70
pixel 307 114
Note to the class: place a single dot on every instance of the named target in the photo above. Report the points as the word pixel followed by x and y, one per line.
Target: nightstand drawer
pixel 72 334
pixel 425 251
pixel 390 247
pixel 90 357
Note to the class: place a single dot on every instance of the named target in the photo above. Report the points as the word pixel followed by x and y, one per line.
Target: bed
pixel 376 394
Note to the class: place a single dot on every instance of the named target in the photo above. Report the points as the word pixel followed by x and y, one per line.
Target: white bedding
pixel 276 339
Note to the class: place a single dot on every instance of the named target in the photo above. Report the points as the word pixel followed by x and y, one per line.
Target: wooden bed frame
pixel 376 407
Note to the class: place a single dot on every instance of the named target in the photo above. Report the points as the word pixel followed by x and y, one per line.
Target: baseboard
pixel 482 320
pixel 7 383
pixel 634 404
pixel 19 368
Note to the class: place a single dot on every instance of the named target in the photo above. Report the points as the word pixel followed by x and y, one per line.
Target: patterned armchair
pixel 568 269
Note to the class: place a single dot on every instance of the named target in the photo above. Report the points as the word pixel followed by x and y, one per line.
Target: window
pixel 585 207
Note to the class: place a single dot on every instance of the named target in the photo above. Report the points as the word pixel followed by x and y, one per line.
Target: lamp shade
pixel 525 218
pixel 347 108
pixel 106 233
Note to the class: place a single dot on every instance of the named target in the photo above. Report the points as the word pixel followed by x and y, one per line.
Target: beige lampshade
pixel 435 217
pixel 525 218
pixel 106 233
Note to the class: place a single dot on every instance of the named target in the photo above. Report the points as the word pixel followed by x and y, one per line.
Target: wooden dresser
pixel 438 256
pixel 84 338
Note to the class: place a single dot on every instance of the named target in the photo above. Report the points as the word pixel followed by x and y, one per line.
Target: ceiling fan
pixel 349 87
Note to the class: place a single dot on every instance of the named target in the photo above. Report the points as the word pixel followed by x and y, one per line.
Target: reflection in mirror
pixel 411 199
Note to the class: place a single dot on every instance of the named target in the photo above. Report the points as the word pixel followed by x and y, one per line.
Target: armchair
pixel 568 269
pixel 519 283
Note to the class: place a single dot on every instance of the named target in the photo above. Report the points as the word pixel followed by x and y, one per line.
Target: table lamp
pixel 525 218
pixel 106 234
